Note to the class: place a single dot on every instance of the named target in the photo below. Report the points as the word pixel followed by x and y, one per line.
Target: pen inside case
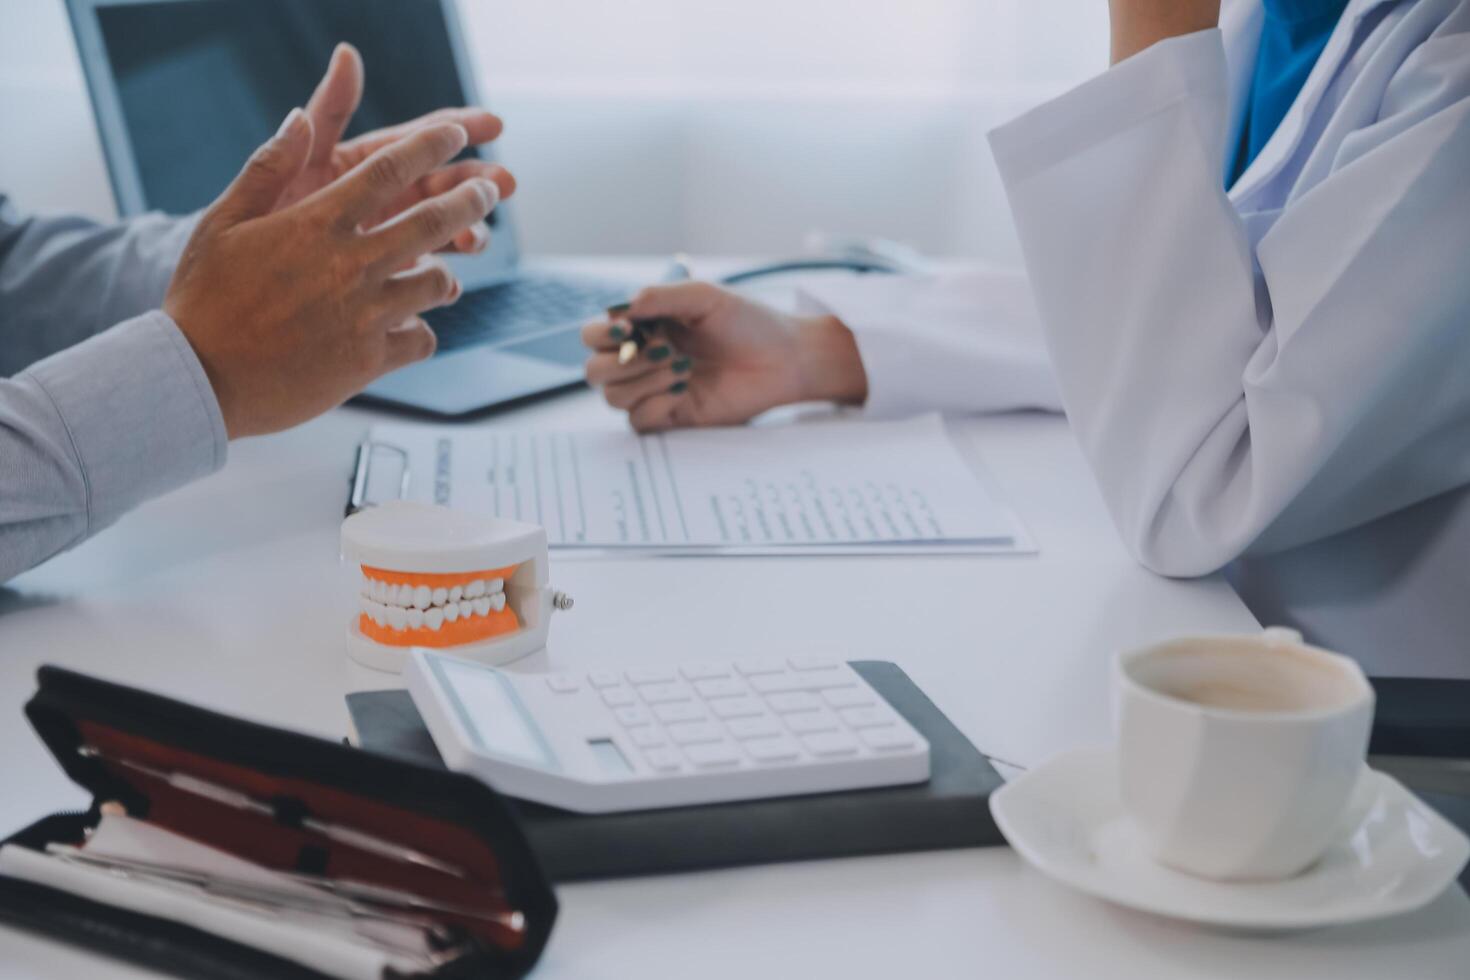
pixel 395 842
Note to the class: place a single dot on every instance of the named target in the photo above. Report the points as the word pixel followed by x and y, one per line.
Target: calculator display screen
pixel 488 708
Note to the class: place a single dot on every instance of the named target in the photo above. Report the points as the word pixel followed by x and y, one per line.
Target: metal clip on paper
pixel 362 474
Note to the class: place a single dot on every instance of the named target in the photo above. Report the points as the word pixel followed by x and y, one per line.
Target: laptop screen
pixel 202 83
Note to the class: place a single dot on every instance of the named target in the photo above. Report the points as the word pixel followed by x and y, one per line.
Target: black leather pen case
pixel 117 741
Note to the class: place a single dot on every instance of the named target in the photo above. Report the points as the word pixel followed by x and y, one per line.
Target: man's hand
pixel 332 107
pixel 1140 24
pixel 721 360
pixel 293 309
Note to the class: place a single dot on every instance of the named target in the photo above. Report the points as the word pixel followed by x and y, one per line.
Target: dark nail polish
pixel 658 353
pixel 616 332
pixel 618 309
pixel 681 364
pixel 678 387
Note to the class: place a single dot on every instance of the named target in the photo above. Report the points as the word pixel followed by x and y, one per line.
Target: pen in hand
pixel 641 331
pixel 630 347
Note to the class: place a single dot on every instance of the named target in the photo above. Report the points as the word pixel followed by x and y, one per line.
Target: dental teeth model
pixel 435 577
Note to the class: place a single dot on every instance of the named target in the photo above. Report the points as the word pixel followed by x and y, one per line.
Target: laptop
pixel 184 90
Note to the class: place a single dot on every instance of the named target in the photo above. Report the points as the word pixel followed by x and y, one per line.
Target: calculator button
pixel 779 749
pixel 604 678
pixel 866 717
pixel 718 755
pixel 650 675
pixel 742 707
pixel 830 744
pixel 849 697
pixel 793 701
pixel 812 663
pixel 887 739
pixel 683 711
pixel 661 693
pixel 761 727
pixel 563 683
pixel 806 722
pixel 775 683
pixel 760 666
pixel 647 738
pixel 719 688
pixel 663 760
pixel 813 679
pixel 616 697
pixel 632 716
pixel 694 732
pixel 704 672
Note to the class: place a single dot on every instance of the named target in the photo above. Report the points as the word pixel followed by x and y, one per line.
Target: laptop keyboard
pixel 520 308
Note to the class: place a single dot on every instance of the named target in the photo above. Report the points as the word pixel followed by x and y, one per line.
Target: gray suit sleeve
pixel 63 280
pixel 93 431
pixel 102 414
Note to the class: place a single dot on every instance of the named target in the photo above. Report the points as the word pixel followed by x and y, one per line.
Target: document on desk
pixel 840 487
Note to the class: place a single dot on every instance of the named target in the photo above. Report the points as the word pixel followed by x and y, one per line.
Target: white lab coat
pixel 1246 373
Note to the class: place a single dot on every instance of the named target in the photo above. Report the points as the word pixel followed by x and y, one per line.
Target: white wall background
pixel 714 126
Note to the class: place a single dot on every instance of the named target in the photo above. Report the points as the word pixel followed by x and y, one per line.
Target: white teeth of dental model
pixel 419 607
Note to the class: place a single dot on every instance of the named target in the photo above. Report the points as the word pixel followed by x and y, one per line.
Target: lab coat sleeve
pixel 958 343
pixel 96 429
pixel 1231 398
pixel 64 279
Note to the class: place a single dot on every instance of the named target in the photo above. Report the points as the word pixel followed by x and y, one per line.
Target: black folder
pixel 951 810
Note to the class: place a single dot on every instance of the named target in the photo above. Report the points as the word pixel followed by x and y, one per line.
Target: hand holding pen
pixel 694 354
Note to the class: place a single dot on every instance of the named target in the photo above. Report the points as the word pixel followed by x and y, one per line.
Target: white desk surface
pixel 225 594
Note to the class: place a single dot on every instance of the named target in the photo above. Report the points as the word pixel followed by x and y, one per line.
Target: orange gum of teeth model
pixel 466 629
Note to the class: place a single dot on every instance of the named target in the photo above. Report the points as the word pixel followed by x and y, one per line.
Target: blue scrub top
pixel 1292 38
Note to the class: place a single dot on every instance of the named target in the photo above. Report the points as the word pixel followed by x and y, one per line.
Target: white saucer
pixel 1395 854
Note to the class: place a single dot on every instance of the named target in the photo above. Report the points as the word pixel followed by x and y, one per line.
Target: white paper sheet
pixel 834 487
pixel 302 939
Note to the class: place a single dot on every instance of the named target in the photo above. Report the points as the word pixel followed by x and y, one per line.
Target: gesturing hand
pixel 720 359
pixel 293 309
pixel 332 107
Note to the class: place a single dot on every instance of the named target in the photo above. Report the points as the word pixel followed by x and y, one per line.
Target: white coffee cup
pixel 1238 754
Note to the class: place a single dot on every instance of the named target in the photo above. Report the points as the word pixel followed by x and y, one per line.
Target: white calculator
pixel 609 740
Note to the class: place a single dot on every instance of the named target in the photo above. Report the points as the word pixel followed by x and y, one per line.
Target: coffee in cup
pixel 1237 755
